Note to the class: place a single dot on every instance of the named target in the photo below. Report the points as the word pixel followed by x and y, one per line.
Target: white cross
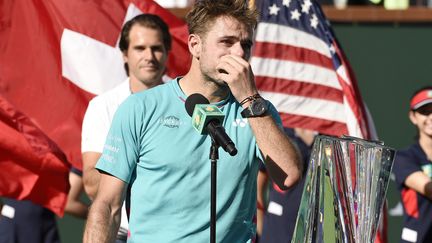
pixel 90 64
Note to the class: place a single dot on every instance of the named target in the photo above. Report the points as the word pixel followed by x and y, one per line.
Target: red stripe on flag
pixel 291 53
pixel 353 96
pixel 324 126
pixel 292 87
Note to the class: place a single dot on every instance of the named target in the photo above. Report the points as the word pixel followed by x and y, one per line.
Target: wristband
pixel 252 97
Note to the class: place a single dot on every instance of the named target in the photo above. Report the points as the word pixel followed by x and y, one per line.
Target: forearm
pixel 262 188
pixel 102 224
pixel 260 221
pixel 91 178
pixel 281 157
pixel 262 182
pixel 272 141
pixel 74 205
pixel 77 209
pixel 421 183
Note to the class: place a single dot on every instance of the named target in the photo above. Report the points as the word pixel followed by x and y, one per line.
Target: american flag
pixel 300 67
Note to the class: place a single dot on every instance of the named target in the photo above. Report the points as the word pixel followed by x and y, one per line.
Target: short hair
pixel 205 12
pixel 146 20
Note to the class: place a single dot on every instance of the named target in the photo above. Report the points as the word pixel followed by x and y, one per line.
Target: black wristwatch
pixel 257 107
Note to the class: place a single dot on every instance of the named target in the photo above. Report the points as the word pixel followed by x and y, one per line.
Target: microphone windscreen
pixel 193 100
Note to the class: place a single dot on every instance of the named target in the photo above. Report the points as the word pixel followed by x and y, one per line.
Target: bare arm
pixel 105 212
pixel 74 205
pixel 91 176
pixel 420 183
pixel 280 155
pixel 262 183
pixel 282 159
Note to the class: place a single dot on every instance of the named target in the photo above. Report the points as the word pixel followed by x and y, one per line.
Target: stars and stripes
pixel 300 67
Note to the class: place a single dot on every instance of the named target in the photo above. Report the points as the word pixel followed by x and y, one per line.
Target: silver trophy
pixel 345 190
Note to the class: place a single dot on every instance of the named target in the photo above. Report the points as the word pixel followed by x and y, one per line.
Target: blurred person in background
pixel 145 41
pixel 27 222
pixel 277 209
pixel 413 172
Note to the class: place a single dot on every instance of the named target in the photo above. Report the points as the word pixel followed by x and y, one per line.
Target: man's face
pixel 146 55
pixel 225 36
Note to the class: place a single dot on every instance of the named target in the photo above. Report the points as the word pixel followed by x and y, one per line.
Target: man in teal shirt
pixel 153 148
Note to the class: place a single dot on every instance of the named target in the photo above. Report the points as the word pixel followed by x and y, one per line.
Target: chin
pixel 222 84
pixel 150 81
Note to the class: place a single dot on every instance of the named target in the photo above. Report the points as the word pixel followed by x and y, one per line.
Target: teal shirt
pixel 152 146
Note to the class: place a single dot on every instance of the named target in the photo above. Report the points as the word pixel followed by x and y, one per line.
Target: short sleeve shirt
pixel 417 208
pixel 153 146
pixel 96 123
pixel 98 117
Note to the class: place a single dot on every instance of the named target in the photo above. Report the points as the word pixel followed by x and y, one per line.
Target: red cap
pixel 422 98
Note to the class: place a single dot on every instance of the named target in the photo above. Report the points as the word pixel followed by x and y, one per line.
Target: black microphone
pixel 207 118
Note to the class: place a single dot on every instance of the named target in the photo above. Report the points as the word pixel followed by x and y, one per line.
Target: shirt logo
pixel 239 122
pixel 170 121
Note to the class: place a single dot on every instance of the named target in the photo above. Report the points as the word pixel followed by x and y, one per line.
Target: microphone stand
pixel 214 156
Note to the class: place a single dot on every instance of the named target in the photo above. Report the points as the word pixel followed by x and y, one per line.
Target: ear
pixel 194 44
pixel 125 57
pixel 413 118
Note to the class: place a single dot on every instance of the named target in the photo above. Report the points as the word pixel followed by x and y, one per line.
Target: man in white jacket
pixel 144 42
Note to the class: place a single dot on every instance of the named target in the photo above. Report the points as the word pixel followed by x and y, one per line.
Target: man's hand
pixel 237 73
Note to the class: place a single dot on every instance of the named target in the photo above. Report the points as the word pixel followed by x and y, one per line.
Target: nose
pixel 148 54
pixel 238 50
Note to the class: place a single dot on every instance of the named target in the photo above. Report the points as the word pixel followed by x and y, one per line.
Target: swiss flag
pixel 32 166
pixel 55 55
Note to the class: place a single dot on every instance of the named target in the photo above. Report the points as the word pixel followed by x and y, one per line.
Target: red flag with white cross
pixel 56 55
